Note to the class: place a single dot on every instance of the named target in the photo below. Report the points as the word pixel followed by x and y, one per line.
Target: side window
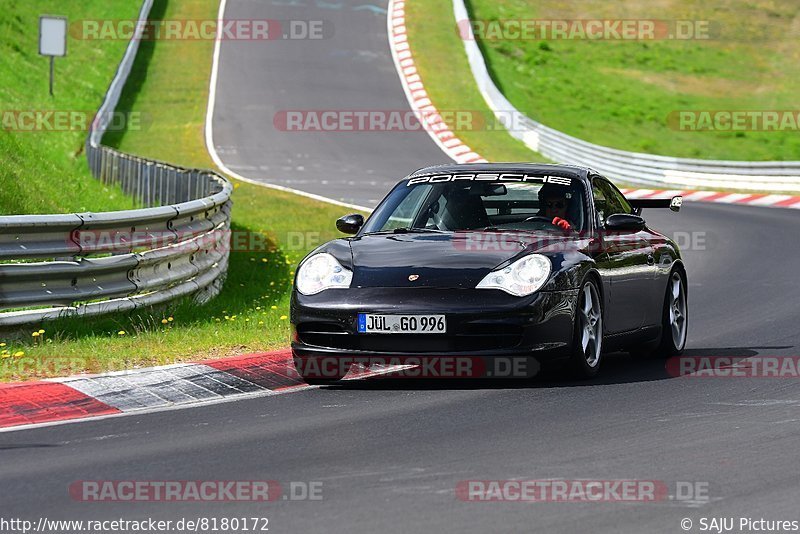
pixel 621 205
pixel 401 217
pixel 608 200
pixel 599 200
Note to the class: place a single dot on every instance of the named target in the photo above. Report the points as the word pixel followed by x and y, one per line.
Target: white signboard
pixel 52 36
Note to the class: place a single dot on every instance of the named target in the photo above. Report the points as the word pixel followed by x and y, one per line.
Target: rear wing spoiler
pixel 673 203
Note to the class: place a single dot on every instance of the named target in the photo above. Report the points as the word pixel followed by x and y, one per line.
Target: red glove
pixel 562 223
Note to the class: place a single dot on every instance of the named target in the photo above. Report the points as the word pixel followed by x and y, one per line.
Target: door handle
pixel 650 260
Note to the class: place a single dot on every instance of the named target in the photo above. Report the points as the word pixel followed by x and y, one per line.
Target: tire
pixel 675 317
pixel 587 344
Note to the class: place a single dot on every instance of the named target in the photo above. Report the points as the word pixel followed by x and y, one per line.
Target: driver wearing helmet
pixel 553 204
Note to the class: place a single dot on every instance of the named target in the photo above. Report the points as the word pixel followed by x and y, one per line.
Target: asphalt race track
pixel 390 453
pixel 353 70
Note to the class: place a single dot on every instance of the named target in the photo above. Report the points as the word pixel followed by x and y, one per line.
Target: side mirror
pixel 350 224
pixel 624 222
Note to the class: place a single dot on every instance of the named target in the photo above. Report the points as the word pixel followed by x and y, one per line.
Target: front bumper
pixel 480 323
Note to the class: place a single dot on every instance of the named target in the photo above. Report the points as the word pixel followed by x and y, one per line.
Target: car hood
pixel 455 260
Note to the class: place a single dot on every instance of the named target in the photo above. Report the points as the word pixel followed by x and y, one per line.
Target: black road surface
pixel 390 453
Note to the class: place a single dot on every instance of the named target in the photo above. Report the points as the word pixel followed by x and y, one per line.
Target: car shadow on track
pixel 618 368
pixel 9 447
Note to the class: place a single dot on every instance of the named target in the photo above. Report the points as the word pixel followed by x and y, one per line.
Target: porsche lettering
pixel 489 177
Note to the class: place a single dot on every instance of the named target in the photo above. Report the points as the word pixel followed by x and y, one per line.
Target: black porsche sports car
pixel 491 261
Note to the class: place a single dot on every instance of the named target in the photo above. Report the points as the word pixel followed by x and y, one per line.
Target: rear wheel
pixel 588 338
pixel 675 317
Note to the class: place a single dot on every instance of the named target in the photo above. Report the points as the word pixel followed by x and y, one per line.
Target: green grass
pixel 442 64
pixel 45 171
pixel 251 312
pixel 620 93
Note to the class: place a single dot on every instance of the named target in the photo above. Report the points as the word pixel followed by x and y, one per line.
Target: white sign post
pixel 52 40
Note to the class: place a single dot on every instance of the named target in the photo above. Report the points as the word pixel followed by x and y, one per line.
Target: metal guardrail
pixel 632 167
pixel 116 261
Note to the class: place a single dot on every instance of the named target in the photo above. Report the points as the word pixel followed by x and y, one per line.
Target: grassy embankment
pixel 622 93
pixel 170 87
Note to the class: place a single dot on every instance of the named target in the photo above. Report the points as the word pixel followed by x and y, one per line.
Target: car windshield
pixel 472 205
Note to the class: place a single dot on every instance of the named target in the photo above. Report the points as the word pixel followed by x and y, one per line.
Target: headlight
pixel 320 272
pixel 521 278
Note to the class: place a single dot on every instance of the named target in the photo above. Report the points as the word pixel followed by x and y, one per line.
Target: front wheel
pixel 675 317
pixel 588 337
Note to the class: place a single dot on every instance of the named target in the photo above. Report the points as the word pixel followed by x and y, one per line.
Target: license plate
pixel 369 323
